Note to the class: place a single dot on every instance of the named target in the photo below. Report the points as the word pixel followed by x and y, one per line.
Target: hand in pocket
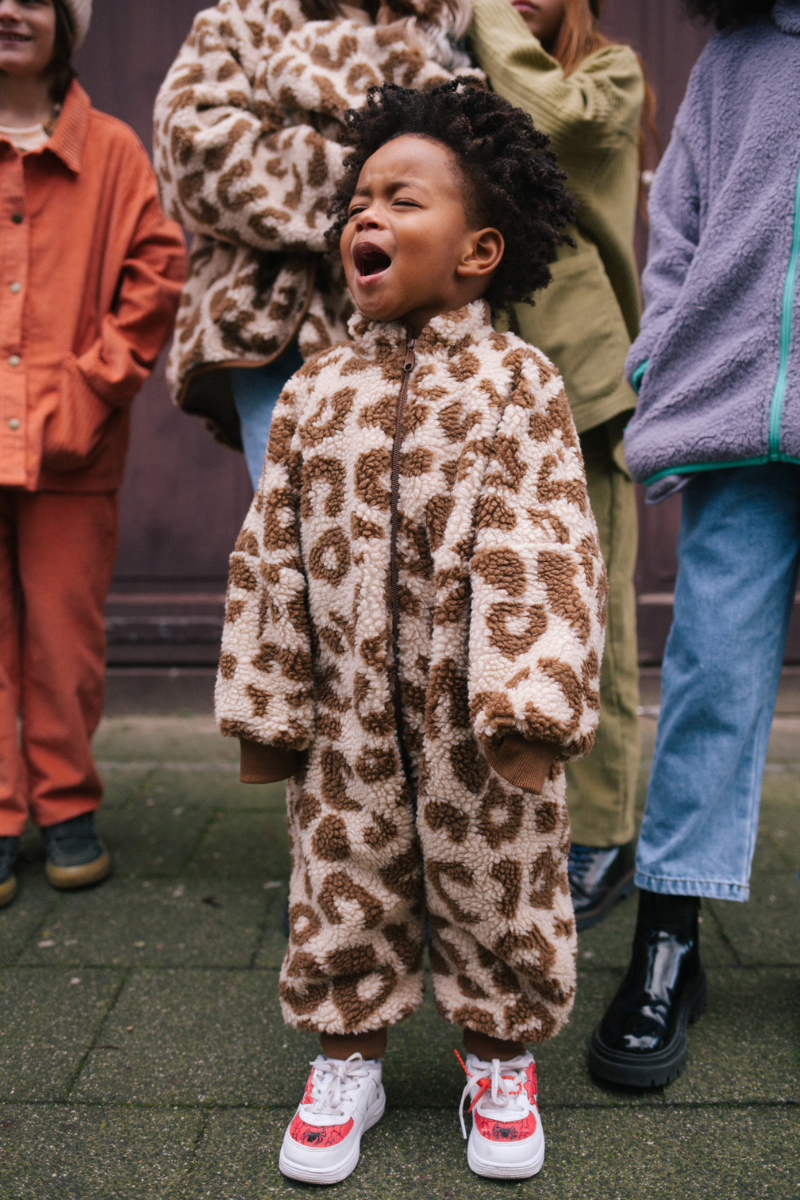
pixel 74 431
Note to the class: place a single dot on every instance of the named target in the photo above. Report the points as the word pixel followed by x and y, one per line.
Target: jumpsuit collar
pixel 448 333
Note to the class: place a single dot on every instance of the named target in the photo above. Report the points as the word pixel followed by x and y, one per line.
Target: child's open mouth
pixel 370 260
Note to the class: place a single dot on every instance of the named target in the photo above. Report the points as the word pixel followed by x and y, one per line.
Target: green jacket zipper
pixel 787 314
pixel 394 570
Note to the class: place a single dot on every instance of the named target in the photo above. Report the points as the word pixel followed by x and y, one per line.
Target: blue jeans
pixel 255 393
pixel 738 559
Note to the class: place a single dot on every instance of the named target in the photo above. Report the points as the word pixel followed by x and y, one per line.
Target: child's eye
pixel 406 203
pixel 353 212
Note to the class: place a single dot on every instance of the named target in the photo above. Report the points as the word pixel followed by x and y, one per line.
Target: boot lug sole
pixel 645 1071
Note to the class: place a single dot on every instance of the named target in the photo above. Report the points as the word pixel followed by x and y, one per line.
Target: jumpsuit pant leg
pixel 64 548
pixel 738 561
pixel 601 789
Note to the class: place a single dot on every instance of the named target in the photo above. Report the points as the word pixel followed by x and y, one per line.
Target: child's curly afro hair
pixel 729 12
pixel 512 181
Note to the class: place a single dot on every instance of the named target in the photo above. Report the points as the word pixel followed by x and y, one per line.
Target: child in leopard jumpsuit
pixel 414 631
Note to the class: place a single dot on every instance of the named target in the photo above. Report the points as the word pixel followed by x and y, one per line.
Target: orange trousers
pixel 57 552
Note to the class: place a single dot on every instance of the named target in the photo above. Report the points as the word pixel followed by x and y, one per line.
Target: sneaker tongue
pixel 511 1098
pixel 512 1111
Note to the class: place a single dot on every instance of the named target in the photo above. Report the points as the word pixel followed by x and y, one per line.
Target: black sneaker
pixel 76 857
pixel 8 858
pixel 598 878
pixel 641 1040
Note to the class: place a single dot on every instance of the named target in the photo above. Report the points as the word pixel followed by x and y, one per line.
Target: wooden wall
pixel 184 496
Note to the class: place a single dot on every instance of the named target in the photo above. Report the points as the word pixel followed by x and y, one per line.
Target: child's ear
pixel 482 255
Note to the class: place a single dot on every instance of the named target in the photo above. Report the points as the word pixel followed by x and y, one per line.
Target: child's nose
pixel 368 218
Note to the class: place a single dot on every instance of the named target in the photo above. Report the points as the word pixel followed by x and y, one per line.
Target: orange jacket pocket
pixel 74 431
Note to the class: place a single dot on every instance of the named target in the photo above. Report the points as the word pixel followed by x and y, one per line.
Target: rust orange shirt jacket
pixel 90 277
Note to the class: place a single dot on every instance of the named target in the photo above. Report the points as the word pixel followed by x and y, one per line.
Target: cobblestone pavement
pixel 143 1055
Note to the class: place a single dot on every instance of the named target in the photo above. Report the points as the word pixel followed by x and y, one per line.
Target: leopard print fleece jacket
pixel 247 151
pixel 422 509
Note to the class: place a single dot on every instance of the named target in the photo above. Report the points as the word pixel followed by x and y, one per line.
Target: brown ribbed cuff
pixel 342 1045
pixel 524 763
pixel 486 1048
pixel 267 764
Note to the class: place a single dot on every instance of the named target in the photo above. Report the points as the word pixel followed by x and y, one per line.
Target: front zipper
pixel 394 570
pixel 787 314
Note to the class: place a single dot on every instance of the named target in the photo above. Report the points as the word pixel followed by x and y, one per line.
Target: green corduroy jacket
pixel 588 316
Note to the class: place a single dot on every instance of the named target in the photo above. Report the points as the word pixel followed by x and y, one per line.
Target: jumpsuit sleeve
pixel 264 691
pixel 538 581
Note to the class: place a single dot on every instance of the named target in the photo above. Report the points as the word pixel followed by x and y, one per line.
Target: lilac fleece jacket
pixel 718 355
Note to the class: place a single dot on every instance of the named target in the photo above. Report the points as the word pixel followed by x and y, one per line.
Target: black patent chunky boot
pixel 641 1040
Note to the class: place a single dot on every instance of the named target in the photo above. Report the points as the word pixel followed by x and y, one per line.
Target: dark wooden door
pixel 184 496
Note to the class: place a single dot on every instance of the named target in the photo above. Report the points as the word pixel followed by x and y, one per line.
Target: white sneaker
pixel 341 1100
pixel 506 1141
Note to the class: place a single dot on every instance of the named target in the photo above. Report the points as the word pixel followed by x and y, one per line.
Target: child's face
pixel 408 248
pixel 543 18
pixel 27 36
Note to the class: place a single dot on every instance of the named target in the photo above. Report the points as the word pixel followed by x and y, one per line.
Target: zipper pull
pixel 408 365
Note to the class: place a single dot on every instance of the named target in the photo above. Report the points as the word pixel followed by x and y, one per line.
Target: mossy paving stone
pixel 77 1152
pixel 150 839
pixel 268 796
pixel 163 739
pixel 765 930
pixel 212 785
pixel 780 815
pixel 591 1155
pixel 196 1037
pixel 155 923
pixel 274 941
pixel 781 827
pixel 48 1023
pixel 20 920
pixel 121 784
pixel 239 845
pixel 747 1043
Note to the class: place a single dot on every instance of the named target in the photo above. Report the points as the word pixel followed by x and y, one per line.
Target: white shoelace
pixel 334 1079
pixel 500 1079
